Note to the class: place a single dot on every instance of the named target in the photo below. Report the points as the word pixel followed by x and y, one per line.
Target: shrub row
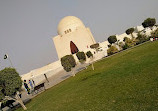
pixel 68 61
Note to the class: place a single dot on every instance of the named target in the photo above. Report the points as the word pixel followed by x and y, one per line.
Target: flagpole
pixel 7 57
pixel 10 62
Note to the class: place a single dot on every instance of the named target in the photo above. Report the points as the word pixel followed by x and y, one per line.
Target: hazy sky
pixel 27 26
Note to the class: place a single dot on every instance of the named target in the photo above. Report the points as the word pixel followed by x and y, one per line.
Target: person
pixel 31 84
pixel 46 78
pixel 32 77
pixel 26 87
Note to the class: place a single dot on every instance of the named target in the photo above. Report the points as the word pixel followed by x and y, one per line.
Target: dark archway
pixel 73 48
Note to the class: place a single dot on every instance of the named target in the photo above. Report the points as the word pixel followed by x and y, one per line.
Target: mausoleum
pixel 72 37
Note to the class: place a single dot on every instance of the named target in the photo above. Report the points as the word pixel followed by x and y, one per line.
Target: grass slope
pixel 127 81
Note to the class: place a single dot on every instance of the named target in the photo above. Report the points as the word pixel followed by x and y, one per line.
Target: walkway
pixel 55 79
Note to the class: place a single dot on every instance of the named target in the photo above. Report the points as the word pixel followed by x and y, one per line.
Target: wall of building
pixel 121 36
pixel 38 74
pixel 82 38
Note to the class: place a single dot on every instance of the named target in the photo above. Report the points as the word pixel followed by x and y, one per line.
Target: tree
pixel 130 31
pixel 95 46
pixel 149 22
pixel 81 56
pixel 10 85
pixel 89 54
pixel 112 39
pixel 68 62
pixel 112 50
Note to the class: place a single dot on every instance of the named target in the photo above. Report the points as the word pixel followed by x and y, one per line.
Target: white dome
pixel 69 23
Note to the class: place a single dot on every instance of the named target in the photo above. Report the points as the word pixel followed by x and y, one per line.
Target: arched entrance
pixel 73 48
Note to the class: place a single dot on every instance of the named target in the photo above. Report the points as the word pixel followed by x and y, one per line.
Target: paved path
pixel 55 79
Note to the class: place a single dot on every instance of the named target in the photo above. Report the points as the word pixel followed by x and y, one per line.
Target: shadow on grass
pixel 90 76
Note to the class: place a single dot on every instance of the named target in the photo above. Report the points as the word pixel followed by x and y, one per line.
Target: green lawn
pixel 127 81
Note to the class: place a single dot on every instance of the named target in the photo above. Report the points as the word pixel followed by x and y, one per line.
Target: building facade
pixel 72 37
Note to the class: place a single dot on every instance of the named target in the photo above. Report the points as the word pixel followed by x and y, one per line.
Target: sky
pixel 27 26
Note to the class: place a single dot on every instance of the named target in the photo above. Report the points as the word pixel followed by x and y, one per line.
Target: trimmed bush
pixel 112 50
pixel 112 39
pixel 130 31
pixel 81 56
pixel 68 62
pixel 125 39
pixel 129 42
pixel 125 46
pixel 94 46
pixel 89 54
pixel 149 22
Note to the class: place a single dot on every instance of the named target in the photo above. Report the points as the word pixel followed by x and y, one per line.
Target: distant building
pixel 72 37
